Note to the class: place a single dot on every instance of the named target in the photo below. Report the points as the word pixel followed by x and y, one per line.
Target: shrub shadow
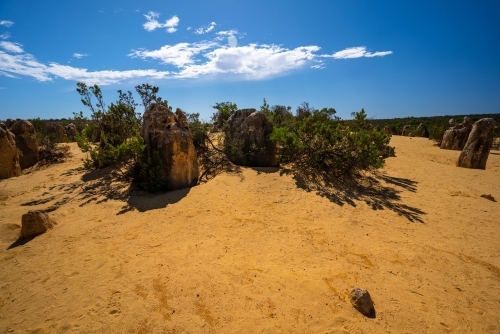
pixel 265 170
pixel 366 188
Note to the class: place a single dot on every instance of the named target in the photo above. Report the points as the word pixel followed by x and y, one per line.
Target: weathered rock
pixel 252 129
pixel 70 131
pixel 169 134
pixel 406 130
pixel 35 223
pixel 9 122
pixel 422 131
pixel 54 128
pixel 478 146
pixel 387 151
pixel 456 136
pixel 361 300
pixel 452 122
pixel 26 143
pixel 9 157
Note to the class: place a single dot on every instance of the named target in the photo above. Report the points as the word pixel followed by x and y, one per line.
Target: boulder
pixel 478 146
pixel 169 134
pixel 422 131
pixel 406 130
pixel 9 157
pixel 361 300
pixel 54 128
pixel 9 122
pixel 456 136
pixel 26 143
pixel 252 129
pixel 35 223
pixel 70 131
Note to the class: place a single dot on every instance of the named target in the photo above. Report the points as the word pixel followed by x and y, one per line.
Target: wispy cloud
pixel 357 52
pixel 11 47
pixel 5 35
pixel 79 55
pixel 205 29
pixel 179 55
pixel 152 22
pixel 27 65
pixel 6 23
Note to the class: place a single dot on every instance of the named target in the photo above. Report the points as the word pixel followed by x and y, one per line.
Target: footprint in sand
pixel 114 305
pixel 343 326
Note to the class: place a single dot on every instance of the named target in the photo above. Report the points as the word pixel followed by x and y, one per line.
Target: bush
pixel 322 143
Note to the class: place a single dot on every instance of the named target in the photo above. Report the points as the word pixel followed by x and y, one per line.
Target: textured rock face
pixel 27 146
pixel 422 131
pixel 9 157
pixel 361 300
pixel 406 130
pixel 478 146
pixel 252 128
pixel 54 128
pixel 456 136
pixel 169 134
pixel 35 223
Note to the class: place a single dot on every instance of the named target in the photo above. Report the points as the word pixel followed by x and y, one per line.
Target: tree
pixel 224 110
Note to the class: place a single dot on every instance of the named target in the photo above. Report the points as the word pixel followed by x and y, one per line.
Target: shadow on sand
pixel 369 189
pixel 20 242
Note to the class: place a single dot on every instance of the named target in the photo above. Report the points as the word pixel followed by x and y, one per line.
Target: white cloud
pixel 6 23
pixel 5 36
pixel 189 28
pixel 153 23
pixel 27 65
pixel 79 55
pixel 178 55
pixel 205 29
pixel 11 47
pixel 357 52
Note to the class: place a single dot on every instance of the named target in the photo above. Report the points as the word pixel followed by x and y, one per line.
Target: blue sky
pixel 393 58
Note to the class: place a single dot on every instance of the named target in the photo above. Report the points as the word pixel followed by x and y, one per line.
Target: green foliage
pixel 224 110
pixel 149 171
pixel 277 114
pixel 322 143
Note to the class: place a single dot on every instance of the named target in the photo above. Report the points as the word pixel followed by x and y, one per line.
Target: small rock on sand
pixel 361 300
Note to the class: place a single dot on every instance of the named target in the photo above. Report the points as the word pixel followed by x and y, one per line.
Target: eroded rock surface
pixel 252 129
pixel 456 136
pixel 9 156
pixel 35 223
pixel 26 143
pixel 169 134
pixel 361 300
pixel 478 146
pixel 422 131
pixel 406 130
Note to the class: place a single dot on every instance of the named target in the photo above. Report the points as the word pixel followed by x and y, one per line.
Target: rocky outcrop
pixel 478 146
pixel 169 134
pixel 26 143
pixel 406 131
pixel 456 136
pixel 251 129
pixel 55 129
pixel 361 300
pixel 70 131
pixel 35 223
pixel 9 157
pixel 422 131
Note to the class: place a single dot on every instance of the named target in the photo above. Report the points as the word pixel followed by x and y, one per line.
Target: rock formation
pixel 456 136
pixel 361 300
pixel 478 146
pixel 406 130
pixel 422 131
pixel 35 223
pixel 70 131
pixel 169 134
pixel 26 143
pixel 9 157
pixel 252 129
pixel 54 128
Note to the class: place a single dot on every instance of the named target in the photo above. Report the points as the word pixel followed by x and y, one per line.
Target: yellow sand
pixel 255 252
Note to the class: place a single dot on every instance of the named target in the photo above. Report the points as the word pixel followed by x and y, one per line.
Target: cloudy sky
pixel 393 58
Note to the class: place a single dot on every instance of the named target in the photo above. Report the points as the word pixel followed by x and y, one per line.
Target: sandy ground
pixel 256 251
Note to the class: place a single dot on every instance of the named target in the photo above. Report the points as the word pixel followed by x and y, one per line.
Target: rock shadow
pixel 20 242
pixel 265 170
pixel 368 188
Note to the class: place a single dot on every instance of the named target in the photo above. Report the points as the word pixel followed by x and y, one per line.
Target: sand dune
pixel 256 251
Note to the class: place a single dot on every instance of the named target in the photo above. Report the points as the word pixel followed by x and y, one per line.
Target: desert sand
pixel 256 251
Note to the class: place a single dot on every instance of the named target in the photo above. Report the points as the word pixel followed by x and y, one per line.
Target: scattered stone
pixel 361 300
pixel 169 134
pixel 478 146
pixel 422 131
pixel 406 130
pixel 35 223
pixel 252 129
pixel 491 198
pixel 26 143
pixel 9 156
